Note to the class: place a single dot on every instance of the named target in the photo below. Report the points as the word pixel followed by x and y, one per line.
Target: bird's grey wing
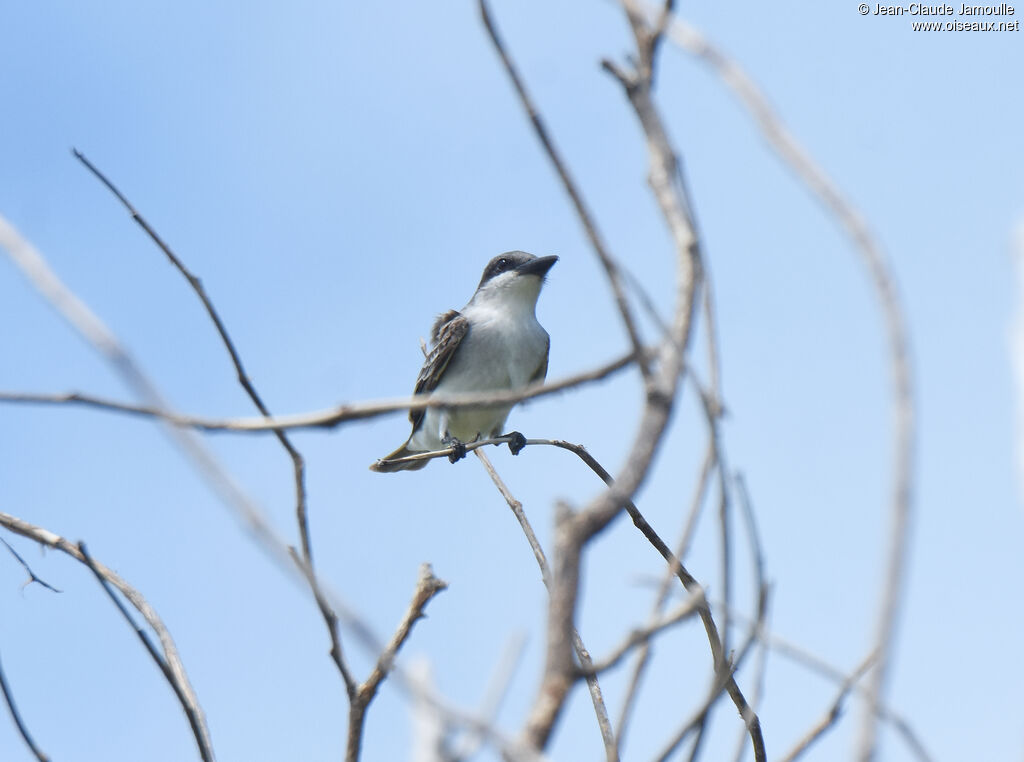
pixel 446 336
pixel 542 370
pixel 439 325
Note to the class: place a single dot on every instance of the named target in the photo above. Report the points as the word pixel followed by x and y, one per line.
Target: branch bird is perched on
pixel 494 343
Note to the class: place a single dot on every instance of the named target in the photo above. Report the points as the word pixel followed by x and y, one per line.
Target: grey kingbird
pixel 493 343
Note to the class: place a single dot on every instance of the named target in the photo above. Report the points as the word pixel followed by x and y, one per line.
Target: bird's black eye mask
pixel 496 267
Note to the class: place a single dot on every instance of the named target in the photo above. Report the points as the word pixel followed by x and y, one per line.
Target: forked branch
pixel 166 657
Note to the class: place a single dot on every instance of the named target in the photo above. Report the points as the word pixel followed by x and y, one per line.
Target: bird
pixel 493 343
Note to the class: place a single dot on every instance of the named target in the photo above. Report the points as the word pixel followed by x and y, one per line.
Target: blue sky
pixel 338 174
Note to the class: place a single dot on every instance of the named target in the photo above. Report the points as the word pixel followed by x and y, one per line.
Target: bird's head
pixel 514 277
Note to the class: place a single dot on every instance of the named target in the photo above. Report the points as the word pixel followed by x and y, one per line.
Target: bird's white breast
pixel 502 350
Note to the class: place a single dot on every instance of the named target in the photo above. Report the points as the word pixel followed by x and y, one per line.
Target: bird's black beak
pixel 538 266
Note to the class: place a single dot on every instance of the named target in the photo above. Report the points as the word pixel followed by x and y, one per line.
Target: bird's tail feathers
pixel 384 466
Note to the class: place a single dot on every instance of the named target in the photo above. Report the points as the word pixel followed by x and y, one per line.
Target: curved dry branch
pixel 427 586
pixel 884 282
pixel 610 265
pixel 574 530
pixel 298 462
pixel 331 417
pixel 196 284
pixel 832 715
pixel 666 585
pixel 94 331
pixel 26 736
pixel 643 636
pixel 586 663
pixel 723 666
pixel 799 655
pixel 169 661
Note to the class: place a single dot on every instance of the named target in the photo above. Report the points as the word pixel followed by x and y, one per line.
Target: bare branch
pixel 32 264
pixel 671 196
pixel 31 574
pixel 453 715
pixel 698 720
pixel 586 663
pixel 609 263
pixel 754 696
pixel 298 463
pixel 709 466
pixel 833 714
pixel 326 418
pixel 559 667
pixel 427 586
pixel 517 511
pixel 880 272
pixel 171 665
pixel 192 708
pixel 82 320
pixel 330 620
pixel 91 328
pixel 760 624
pixel 575 530
pixel 721 683
pixel 16 716
pixel 643 636
pixel 648 37
pixel 667 582
pixel 800 655
pixel 723 670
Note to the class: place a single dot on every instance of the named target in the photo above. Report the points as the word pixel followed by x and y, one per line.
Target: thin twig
pixel 192 710
pixel 698 720
pixel 712 408
pixel 518 512
pixel 586 663
pixel 196 284
pixel 16 716
pixel 298 463
pixel 760 622
pixel 884 282
pixel 92 329
pixel 725 540
pixel 642 636
pixel 611 268
pixel 723 670
pixel 667 583
pixel 575 530
pixel 31 574
pixel 672 199
pixel 85 322
pixel 754 697
pixel 175 673
pixel 330 620
pixel 832 715
pixel 454 716
pixel 427 586
pixel 332 417
pixel 720 684
pixel 710 400
pixel 800 655
pixel 473 722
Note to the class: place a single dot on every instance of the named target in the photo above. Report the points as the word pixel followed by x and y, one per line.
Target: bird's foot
pixel 516 441
pixel 457 447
